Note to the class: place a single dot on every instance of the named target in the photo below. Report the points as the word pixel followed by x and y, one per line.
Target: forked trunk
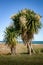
pixel 30 48
pixel 13 50
pixel 28 40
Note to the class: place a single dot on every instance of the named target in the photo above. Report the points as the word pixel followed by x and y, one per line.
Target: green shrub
pixel 37 50
pixel 41 50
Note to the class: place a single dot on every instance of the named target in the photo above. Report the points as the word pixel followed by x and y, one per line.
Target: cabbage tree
pixel 10 38
pixel 27 23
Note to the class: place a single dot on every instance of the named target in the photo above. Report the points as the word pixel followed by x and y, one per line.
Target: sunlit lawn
pixel 21 59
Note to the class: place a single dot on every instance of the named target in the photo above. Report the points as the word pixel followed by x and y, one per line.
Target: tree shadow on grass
pixel 8 54
pixel 24 53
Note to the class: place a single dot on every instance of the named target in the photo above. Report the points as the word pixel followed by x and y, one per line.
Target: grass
pixel 38 50
pixel 21 59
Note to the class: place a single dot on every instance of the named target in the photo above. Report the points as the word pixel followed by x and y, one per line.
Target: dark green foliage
pixel 32 25
pixel 10 36
pixel 41 50
pixel 37 51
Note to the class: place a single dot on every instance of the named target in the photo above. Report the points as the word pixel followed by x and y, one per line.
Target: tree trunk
pixel 30 48
pixel 13 50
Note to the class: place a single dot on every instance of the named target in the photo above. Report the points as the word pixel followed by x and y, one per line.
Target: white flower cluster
pixel 23 20
pixel 37 17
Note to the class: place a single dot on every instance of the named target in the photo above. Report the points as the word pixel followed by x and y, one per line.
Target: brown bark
pixel 13 50
pixel 30 48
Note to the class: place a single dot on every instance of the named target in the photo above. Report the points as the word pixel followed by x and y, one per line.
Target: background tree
pixel 27 23
pixel 10 38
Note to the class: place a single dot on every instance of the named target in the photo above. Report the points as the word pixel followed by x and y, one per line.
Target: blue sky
pixel 10 7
